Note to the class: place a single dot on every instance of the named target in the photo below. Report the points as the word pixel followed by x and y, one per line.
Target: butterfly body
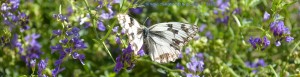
pixel 162 41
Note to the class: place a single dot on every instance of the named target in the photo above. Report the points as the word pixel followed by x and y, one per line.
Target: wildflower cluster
pixel 195 64
pixel 280 32
pixel 15 21
pixel 221 9
pixel 68 45
pixel 258 42
pixel 125 60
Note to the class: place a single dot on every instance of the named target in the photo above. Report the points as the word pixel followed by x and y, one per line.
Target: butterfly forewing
pixel 168 40
pixel 133 30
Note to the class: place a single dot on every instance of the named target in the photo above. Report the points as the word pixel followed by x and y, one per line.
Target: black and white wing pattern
pixel 164 41
pixel 133 30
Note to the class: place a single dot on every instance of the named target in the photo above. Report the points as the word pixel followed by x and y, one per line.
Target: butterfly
pixel 162 41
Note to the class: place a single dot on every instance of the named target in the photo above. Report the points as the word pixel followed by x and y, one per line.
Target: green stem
pixel 273 71
pixel 107 34
pixel 109 31
pixel 231 71
pixel 297 44
pixel 108 52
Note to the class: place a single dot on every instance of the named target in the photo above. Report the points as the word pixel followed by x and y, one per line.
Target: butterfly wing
pixel 165 40
pixel 133 30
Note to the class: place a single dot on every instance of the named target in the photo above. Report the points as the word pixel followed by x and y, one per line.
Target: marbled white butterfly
pixel 163 41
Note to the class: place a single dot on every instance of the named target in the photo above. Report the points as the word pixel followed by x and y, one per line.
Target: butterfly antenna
pixel 145 21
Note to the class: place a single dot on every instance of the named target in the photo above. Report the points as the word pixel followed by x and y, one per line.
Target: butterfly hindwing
pixel 133 30
pixel 160 50
pixel 167 39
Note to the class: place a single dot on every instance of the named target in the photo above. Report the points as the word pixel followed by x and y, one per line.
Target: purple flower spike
pixel 119 65
pixel 125 60
pixel 42 66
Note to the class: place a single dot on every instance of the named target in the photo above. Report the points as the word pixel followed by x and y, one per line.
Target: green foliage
pixel 226 51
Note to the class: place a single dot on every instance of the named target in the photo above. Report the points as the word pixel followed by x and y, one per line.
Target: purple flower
pixel 117 1
pixel 15 3
pixel 115 29
pixel 266 16
pixel 203 26
pixel 5 7
pixel 259 42
pixel 123 31
pixel 31 39
pixel 32 63
pixel 78 44
pixel 119 65
pixel 87 24
pixel 289 39
pixel 179 66
pixel 278 28
pixel 180 56
pixel 64 41
pixel 57 70
pixel 101 26
pixel 70 11
pixel 56 32
pixel 195 66
pixel 78 56
pixel 187 50
pixel 260 62
pixel 57 47
pixel 141 52
pixel 16 43
pixel 118 40
pixel 223 20
pixel 237 11
pixel 191 75
pixel 60 17
pixel 222 5
pixel 266 42
pixel 209 35
pixel 109 14
pixel 137 10
pixel 75 31
pixel 42 66
pixel 200 56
